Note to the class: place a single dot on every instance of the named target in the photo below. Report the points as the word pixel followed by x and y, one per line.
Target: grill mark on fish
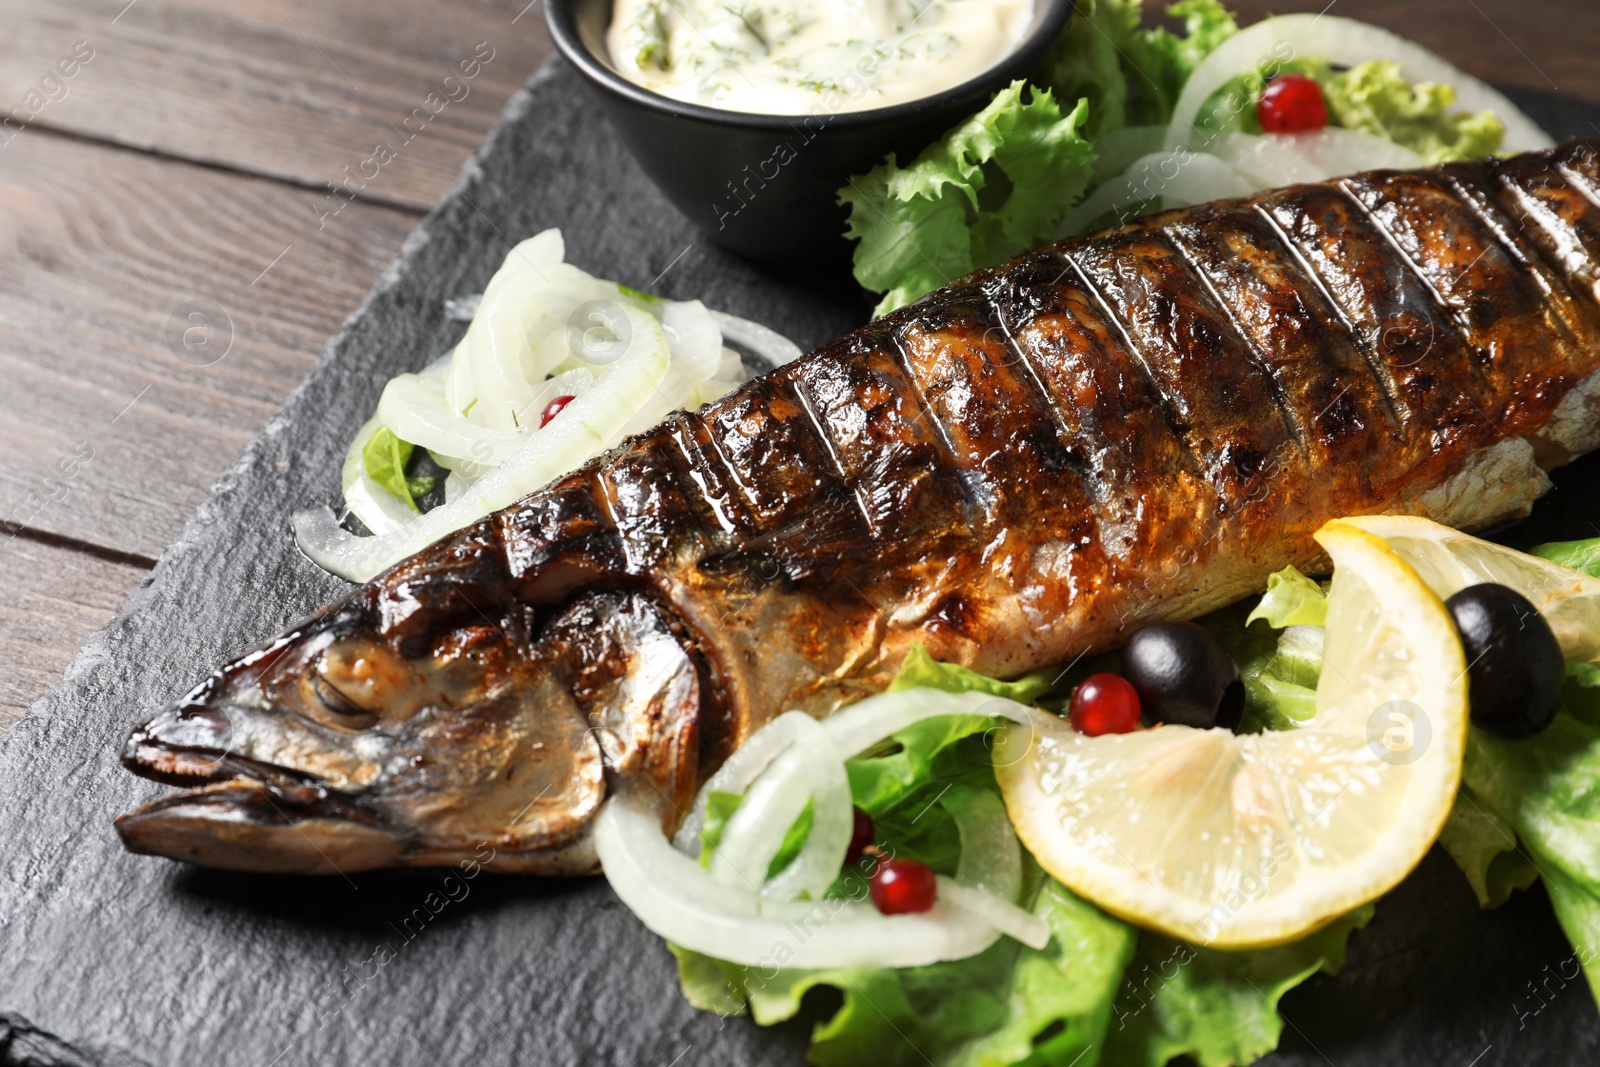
pixel 1098 389
pixel 626 627
pixel 1218 396
pixel 711 484
pixel 977 497
pixel 1164 402
pixel 1033 376
pixel 867 412
pixel 1409 341
pixel 1003 433
pixel 1499 314
pixel 836 465
pixel 1445 314
pixel 1383 383
pixel 1479 194
pixel 1292 423
pixel 1324 381
pixel 1588 187
pixel 1568 228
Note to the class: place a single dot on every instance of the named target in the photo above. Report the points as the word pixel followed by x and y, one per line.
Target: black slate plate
pixel 106 957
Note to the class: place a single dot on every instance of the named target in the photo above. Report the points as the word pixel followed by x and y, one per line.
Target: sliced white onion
pixel 731 368
pixel 413 407
pixel 767 343
pixel 1343 42
pixel 822 855
pixel 809 769
pixel 679 901
pixel 737 773
pixel 378 509
pixel 1277 159
pixel 865 723
pixel 544 455
pixel 541 329
pixel 1003 915
pixel 1170 179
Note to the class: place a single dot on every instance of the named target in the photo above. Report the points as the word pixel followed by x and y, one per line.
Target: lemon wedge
pixel 1450 561
pixel 1245 841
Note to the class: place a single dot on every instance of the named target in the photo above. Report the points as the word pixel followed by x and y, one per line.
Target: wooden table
pixel 188 214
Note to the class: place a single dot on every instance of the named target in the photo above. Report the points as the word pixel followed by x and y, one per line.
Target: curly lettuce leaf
pixel 1219 1008
pixel 1579 555
pixel 385 457
pixel 1131 76
pixel 921 670
pixel 1279 670
pixel 1375 98
pixel 1291 599
pixel 989 188
pixel 1484 846
pixel 1547 789
pixel 1008 1005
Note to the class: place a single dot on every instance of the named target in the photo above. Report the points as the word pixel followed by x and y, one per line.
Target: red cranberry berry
pixel 901 886
pixel 1104 704
pixel 860 837
pixel 1291 103
pixel 553 409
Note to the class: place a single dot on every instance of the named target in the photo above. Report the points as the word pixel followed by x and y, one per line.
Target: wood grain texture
pixel 54 599
pixel 1539 44
pixel 112 421
pixel 296 89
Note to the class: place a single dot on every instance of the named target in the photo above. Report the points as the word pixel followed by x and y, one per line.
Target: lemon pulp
pixel 1241 841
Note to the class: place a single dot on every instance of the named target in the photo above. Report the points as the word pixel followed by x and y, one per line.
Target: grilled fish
pixel 1137 425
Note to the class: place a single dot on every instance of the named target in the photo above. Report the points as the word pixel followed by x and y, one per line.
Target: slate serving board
pixel 116 959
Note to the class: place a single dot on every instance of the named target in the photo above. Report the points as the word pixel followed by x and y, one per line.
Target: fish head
pixel 349 744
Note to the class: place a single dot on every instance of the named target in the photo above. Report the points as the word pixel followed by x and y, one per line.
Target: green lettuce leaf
pixel 1132 76
pixel 1009 1004
pixel 1220 1008
pixel 1279 670
pixel 991 187
pixel 1374 97
pixel 1579 555
pixel 1547 789
pixel 1484 846
pixel 1291 599
pixel 922 671
pixel 385 457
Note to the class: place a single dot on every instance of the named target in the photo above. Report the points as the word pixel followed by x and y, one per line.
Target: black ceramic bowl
pixel 766 185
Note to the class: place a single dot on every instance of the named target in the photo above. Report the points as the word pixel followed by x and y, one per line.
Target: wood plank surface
pixel 119 408
pixel 54 598
pixel 297 89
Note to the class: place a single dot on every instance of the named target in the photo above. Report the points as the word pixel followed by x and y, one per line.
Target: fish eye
pixel 341 710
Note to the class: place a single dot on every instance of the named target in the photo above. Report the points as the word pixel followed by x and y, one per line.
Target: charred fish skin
pixel 1013 471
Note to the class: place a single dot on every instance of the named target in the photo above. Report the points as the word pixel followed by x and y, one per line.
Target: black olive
pixel 1514 665
pixel 1181 674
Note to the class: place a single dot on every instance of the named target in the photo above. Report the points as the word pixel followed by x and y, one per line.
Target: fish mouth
pixel 241 814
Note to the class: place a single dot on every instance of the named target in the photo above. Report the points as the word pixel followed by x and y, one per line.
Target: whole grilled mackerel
pixel 1137 425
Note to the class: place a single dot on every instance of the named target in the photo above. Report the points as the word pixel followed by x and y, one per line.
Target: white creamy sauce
pixel 798 57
